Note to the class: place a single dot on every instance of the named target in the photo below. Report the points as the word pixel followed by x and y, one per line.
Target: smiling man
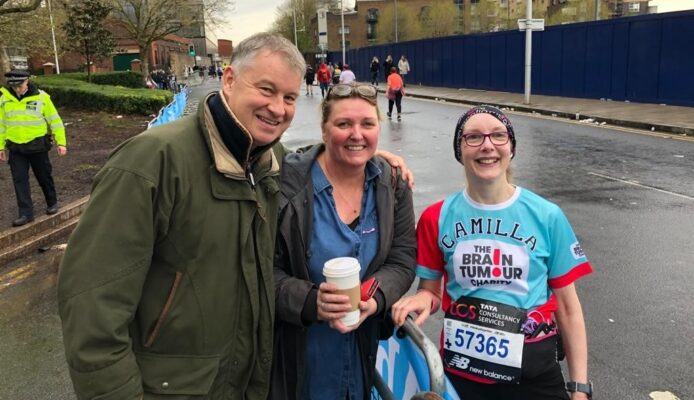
pixel 166 288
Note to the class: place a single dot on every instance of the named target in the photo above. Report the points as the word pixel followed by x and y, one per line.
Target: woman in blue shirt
pixel 338 200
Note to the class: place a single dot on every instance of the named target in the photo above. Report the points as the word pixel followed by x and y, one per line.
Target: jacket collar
pixel 225 162
pixel 296 171
pixel 9 92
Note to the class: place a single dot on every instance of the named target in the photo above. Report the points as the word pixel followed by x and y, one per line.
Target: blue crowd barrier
pixel 171 111
pixel 409 363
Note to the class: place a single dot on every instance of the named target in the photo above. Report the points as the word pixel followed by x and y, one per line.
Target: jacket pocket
pixel 168 374
pixel 154 333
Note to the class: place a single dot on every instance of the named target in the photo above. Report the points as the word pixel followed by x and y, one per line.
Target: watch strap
pixel 586 388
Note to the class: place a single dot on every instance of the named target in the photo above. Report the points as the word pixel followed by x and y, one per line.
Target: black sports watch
pixel 586 388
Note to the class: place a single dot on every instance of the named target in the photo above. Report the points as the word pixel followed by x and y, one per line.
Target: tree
pixel 18 6
pixel 407 24
pixel 487 16
pixel 439 19
pixel 284 22
pixel 86 33
pixel 7 8
pixel 576 11
pixel 147 21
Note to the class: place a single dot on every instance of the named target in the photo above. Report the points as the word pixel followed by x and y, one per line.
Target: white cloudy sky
pixel 251 16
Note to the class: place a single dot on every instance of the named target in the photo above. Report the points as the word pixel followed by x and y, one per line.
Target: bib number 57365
pixel 481 343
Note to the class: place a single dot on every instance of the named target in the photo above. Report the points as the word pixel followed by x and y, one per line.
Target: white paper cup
pixel 344 273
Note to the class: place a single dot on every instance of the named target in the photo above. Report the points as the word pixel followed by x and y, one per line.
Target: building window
pixel 634 7
pixel 339 30
pixel 372 15
pixel 371 31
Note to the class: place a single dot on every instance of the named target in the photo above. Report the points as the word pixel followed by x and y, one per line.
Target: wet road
pixel 629 196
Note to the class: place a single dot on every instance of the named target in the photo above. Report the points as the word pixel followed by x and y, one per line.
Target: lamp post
pixel 395 2
pixel 296 41
pixel 528 49
pixel 342 22
pixel 55 48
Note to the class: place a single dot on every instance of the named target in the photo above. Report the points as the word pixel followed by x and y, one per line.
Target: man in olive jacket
pixel 166 288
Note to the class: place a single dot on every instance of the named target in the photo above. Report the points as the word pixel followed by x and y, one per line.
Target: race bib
pixel 484 338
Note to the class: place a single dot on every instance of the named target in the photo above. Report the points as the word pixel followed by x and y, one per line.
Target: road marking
pixel 17 275
pixel 612 178
pixel 663 396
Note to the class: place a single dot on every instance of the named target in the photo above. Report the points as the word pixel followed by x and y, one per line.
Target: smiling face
pixel 351 132
pixel 487 163
pixel 263 96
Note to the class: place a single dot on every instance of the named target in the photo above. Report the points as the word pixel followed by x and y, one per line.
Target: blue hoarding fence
pixel 645 58
pixel 171 111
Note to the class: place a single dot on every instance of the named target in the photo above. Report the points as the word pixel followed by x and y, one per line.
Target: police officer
pixel 26 113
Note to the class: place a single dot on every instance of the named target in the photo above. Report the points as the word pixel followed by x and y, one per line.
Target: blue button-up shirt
pixel 333 364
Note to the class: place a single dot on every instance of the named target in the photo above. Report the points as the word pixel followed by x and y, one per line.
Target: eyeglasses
pixel 343 90
pixel 476 139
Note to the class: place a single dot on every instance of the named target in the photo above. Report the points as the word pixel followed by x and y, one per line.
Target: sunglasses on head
pixel 343 90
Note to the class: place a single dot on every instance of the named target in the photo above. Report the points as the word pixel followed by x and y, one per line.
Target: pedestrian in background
pixel 324 77
pixel 309 77
pixel 387 66
pixel 394 91
pixel 336 74
pixel 338 202
pixel 374 68
pixel 26 116
pixel 347 76
pixel 527 262
pixel 403 68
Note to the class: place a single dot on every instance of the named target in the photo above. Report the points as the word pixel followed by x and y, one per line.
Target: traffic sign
pixel 535 24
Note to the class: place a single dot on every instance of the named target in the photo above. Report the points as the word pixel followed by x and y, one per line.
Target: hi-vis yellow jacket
pixel 22 121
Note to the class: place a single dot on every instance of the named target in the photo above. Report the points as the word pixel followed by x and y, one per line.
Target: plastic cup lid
pixel 341 267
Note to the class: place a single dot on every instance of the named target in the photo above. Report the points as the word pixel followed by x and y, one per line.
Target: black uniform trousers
pixel 41 165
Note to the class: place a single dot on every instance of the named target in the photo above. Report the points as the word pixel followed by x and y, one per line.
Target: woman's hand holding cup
pixel 330 304
pixel 367 309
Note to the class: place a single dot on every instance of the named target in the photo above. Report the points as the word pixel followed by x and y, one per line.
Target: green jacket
pixel 166 287
pixel 22 121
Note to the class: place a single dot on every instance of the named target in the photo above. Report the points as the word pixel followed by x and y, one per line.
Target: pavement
pixel 655 117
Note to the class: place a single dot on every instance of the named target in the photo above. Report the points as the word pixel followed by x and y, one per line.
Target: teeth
pixel 268 121
pixel 354 148
pixel 487 161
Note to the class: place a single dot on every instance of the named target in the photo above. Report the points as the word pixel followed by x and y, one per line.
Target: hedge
pixel 118 78
pixel 72 90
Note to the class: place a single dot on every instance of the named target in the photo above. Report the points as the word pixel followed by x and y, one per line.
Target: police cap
pixel 16 77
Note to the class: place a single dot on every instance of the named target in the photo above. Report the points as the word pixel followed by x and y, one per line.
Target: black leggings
pixel 397 101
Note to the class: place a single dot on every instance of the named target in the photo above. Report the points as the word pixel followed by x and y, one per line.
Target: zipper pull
pixel 250 176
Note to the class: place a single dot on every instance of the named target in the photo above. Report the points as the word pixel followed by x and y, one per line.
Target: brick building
pixel 361 25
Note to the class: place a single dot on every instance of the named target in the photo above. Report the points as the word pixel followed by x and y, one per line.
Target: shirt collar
pixel 321 182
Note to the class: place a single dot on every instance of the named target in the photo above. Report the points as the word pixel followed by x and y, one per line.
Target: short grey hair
pixel 248 49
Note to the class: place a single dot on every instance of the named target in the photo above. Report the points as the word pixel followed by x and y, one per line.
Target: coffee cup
pixel 343 272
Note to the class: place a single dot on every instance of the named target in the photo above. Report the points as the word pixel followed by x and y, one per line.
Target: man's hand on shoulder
pixel 396 161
